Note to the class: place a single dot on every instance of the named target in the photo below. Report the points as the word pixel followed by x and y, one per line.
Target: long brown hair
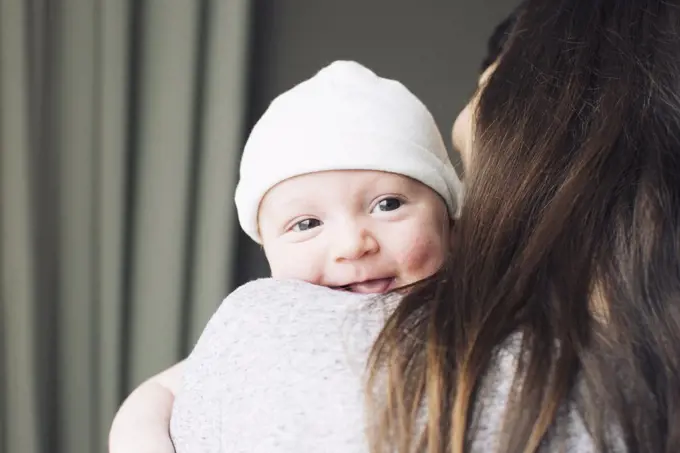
pixel 569 235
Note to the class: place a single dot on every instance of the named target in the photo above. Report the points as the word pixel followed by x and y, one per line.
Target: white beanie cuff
pixel 357 153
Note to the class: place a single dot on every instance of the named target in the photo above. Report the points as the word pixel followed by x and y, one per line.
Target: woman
pixel 555 324
pixel 569 237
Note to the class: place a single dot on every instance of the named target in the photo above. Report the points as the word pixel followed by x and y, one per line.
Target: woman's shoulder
pixel 569 432
pixel 293 302
pixel 271 293
pixel 294 316
pixel 297 350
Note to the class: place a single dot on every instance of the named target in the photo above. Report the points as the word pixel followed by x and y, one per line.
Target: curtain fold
pixel 113 51
pixel 75 126
pixel 222 126
pixel 160 181
pixel 19 417
pixel 121 125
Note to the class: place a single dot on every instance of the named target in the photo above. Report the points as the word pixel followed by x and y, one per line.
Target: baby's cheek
pixel 422 256
pixel 286 262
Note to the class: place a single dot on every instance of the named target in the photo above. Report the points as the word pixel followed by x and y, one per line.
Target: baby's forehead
pixel 338 184
pixel 324 190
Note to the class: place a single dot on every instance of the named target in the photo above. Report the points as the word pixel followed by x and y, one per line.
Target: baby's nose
pixel 354 242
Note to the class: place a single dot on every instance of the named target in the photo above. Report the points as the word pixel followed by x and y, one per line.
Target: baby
pixel 346 183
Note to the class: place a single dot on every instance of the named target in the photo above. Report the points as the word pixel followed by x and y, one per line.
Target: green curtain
pixel 121 123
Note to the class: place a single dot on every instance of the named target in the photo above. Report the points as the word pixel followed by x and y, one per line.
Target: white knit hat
pixel 343 118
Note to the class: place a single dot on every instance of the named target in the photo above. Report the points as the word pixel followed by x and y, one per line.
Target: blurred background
pixel 121 127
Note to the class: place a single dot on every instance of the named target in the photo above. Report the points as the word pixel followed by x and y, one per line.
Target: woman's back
pixel 569 233
pixel 280 369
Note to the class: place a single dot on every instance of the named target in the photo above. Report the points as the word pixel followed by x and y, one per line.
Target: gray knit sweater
pixel 279 368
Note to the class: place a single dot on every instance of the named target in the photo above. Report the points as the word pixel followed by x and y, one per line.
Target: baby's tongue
pixel 371 286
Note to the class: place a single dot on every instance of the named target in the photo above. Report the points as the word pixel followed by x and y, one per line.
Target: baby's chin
pixel 378 285
pixel 373 286
pixel 384 285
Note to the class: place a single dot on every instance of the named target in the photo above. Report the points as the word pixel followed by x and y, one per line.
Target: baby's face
pixel 363 231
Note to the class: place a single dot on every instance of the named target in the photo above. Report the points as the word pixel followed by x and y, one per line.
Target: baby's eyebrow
pixel 286 210
pixel 295 203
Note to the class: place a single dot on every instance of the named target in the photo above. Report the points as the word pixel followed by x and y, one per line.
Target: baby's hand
pixel 150 441
pixel 142 424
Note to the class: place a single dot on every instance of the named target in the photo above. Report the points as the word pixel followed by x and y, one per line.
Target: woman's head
pixel 463 128
pixel 463 132
pixel 573 197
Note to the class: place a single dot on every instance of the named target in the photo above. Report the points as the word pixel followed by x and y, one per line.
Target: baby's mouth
pixel 375 286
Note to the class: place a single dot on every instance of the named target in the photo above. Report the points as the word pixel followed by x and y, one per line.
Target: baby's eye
pixel 307 224
pixel 388 204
